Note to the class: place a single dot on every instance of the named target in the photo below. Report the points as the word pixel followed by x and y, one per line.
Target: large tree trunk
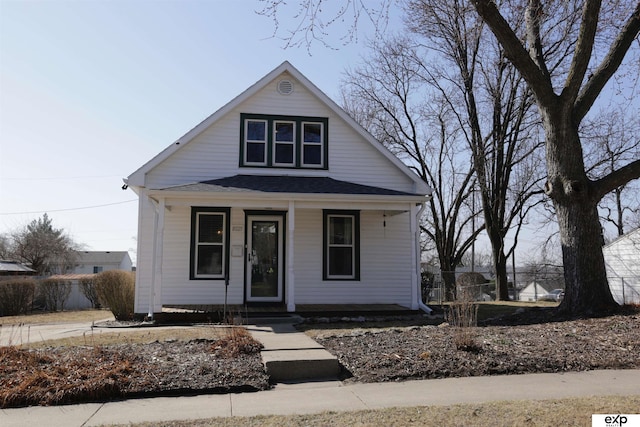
pixel 587 290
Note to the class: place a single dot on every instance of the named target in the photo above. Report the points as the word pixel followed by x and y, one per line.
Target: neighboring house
pixel 622 259
pixel 283 196
pixel 532 291
pixel 92 262
pixel 14 268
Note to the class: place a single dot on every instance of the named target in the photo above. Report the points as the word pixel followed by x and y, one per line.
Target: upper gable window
pixel 283 141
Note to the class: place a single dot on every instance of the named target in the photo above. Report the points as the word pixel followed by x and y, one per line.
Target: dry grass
pixel 78 316
pixel 565 412
pixel 93 372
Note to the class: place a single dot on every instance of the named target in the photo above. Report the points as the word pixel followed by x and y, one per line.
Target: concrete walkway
pixel 309 398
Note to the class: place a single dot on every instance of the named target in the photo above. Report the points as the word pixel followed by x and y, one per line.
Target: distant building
pixel 622 259
pixel 93 262
pixel 14 268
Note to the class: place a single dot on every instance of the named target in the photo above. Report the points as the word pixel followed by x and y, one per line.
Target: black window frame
pixel 298 145
pixel 327 214
pixel 193 268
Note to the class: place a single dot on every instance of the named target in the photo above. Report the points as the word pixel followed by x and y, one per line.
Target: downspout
pixel 421 305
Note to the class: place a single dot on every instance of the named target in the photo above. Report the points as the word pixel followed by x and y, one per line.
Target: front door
pixel 264 264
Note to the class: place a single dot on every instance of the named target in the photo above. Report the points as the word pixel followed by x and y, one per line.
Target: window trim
pixel 304 144
pixel 298 121
pixel 196 211
pixel 326 215
pixel 246 141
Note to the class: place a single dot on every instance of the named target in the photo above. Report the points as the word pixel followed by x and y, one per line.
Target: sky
pixel 91 90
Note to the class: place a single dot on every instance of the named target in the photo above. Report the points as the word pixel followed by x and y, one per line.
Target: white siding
pixel 622 258
pixel 215 152
pixel 385 262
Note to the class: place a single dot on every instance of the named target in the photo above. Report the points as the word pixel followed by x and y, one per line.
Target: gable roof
pixel 137 178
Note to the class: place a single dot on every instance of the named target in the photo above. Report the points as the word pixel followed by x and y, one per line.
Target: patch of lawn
pixel 565 412
pixel 75 316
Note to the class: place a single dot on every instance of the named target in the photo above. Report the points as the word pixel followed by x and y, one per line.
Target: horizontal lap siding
pixel 178 288
pixel 215 152
pixel 385 269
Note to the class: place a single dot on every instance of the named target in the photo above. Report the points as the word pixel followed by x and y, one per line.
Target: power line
pixel 68 209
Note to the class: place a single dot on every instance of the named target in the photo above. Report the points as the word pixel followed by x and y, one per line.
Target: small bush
pixel 463 316
pixel 16 296
pixel 236 341
pixel 116 290
pixel 88 289
pixel 54 293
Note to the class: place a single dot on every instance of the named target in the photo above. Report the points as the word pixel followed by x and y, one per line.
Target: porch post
pixel 291 221
pixel 155 293
pixel 415 265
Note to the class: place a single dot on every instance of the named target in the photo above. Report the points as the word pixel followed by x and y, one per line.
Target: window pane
pixel 255 152
pixel 340 230
pixel 210 228
pixel 340 261
pixel 256 131
pixel 284 153
pixel 284 131
pixel 312 155
pixel 209 259
pixel 312 132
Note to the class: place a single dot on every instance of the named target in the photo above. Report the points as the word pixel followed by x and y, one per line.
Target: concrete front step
pixel 290 355
pixel 309 364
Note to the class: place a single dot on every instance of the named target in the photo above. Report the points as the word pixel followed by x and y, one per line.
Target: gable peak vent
pixel 285 87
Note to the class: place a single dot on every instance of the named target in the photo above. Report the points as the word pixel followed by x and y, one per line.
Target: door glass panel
pixel 264 259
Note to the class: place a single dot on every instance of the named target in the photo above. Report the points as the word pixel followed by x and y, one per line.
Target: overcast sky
pixel 91 90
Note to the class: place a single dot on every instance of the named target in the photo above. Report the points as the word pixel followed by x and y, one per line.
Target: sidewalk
pixel 308 398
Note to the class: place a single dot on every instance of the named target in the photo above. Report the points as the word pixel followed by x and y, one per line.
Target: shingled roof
pixel 285 184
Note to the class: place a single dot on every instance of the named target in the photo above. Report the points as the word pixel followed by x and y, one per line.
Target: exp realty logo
pixel 615 420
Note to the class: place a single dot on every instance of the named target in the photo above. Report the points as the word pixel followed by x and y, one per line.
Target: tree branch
pixel 609 65
pixel 584 47
pixel 515 51
pixel 616 178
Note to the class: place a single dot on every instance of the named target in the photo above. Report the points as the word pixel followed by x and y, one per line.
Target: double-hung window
pixel 209 243
pixel 255 142
pixel 283 141
pixel 341 245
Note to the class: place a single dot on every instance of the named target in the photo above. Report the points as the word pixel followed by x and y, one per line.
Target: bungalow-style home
pixel 92 262
pixel 622 259
pixel 279 198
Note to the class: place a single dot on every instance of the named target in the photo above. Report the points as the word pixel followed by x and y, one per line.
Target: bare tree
pixel 388 96
pixel 494 107
pixel 46 249
pixel 564 98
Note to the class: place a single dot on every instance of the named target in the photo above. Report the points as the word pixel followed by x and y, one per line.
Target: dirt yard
pixel 79 373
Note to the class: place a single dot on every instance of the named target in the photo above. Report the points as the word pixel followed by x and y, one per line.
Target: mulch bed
pixel 62 375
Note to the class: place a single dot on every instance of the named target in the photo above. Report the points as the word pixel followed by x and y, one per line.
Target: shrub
pixel 16 296
pixel 116 290
pixel 88 289
pixel 54 293
pixel 463 316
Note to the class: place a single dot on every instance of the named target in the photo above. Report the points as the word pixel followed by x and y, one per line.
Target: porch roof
pixel 286 184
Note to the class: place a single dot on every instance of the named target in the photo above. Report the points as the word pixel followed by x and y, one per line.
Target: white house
pixel 283 196
pixel 532 291
pixel 622 259
pixel 91 262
